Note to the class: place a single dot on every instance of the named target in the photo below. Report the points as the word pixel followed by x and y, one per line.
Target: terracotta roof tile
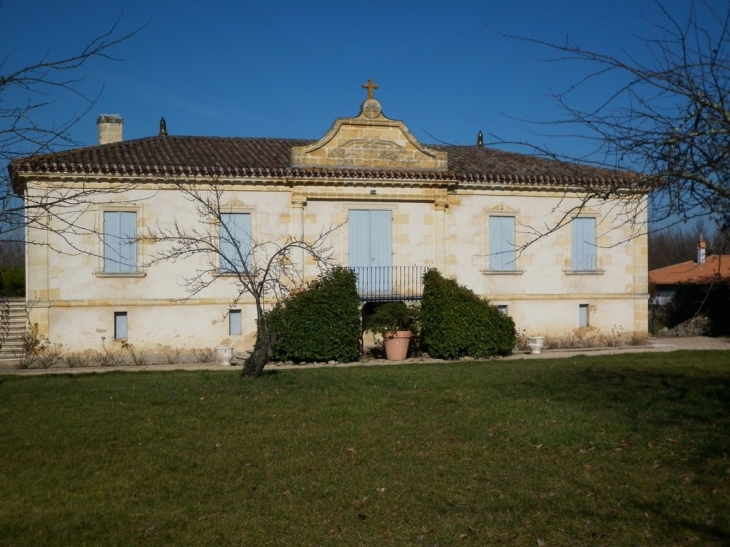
pixel 714 267
pixel 174 155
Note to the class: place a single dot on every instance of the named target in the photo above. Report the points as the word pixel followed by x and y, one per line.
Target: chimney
pixel 701 250
pixel 110 128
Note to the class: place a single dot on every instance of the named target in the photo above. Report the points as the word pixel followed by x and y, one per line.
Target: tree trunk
pixel 262 353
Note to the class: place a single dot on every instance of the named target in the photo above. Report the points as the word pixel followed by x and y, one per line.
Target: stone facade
pixel 435 222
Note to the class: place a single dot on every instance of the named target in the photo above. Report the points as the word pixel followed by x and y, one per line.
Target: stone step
pixel 14 328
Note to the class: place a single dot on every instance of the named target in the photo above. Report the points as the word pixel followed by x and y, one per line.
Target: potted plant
pixel 396 323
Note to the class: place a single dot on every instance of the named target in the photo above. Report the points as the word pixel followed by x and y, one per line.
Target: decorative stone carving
pixel 365 151
pixel 371 108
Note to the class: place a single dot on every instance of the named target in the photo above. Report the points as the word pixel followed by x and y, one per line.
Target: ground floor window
pixel 120 325
pixel 583 315
pixel 234 323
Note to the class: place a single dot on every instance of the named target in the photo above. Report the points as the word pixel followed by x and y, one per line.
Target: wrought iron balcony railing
pixel 389 283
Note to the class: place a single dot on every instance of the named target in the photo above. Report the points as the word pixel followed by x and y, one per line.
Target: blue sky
pixel 289 68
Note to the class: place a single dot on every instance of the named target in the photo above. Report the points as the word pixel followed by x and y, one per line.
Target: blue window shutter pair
pixel 583 246
pixel 501 243
pixel 370 235
pixel 371 246
pixel 235 240
pixel 120 241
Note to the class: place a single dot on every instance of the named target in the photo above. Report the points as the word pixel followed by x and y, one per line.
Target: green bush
pixel 320 323
pixel 455 322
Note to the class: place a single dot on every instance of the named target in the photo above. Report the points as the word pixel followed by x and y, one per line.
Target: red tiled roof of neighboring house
pixel 714 268
pixel 266 157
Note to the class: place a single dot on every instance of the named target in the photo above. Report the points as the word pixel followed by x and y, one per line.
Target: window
pixel 502 308
pixel 120 242
pixel 370 250
pixel 120 325
pixel 583 248
pixel 235 241
pixel 502 243
pixel 582 316
pixel 234 322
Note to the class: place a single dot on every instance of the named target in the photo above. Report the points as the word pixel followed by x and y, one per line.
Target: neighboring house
pixel 704 272
pixel 403 207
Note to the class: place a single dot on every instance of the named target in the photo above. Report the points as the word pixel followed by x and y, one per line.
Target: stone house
pixel 703 272
pixel 402 206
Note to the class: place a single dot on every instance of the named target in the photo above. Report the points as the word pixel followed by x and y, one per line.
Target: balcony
pixel 389 283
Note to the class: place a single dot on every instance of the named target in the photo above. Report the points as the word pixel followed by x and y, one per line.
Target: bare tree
pixel 25 93
pixel 262 270
pixel 667 119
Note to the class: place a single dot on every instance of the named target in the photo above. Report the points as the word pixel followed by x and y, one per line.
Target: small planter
pixel 396 323
pixel 225 354
pixel 396 345
pixel 535 343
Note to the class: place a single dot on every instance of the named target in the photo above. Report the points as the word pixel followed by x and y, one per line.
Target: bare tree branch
pixel 667 118
pixel 262 270
pixel 25 92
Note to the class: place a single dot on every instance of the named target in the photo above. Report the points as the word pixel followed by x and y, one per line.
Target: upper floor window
pixel 502 256
pixel 120 242
pixel 235 241
pixel 583 244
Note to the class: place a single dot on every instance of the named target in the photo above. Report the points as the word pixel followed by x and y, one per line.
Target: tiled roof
pixel 261 157
pixel 714 268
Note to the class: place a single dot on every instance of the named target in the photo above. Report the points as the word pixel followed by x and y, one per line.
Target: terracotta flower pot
pixel 396 345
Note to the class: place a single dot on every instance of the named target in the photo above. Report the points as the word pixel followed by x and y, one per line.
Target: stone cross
pixel 370 86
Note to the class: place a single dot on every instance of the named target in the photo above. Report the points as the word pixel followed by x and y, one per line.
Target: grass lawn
pixel 616 450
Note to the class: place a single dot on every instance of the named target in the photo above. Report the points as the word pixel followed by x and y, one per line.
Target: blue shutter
pixel 234 322
pixel 120 325
pixel 501 243
pixel 120 241
pixel 358 231
pixel 381 253
pixel 235 240
pixel 582 316
pixel 381 250
pixel 583 245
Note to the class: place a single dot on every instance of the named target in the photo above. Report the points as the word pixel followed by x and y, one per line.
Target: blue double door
pixel 370 251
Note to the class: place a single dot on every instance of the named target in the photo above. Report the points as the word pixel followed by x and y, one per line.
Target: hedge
pixel 458 323
pixel 320 323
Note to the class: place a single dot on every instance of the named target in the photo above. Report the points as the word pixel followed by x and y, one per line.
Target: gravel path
pixel 655 345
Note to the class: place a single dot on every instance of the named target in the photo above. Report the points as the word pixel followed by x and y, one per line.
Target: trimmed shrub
pixel 456 323
pixel 319 323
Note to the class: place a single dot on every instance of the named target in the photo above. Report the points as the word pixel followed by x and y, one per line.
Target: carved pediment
pixel 501 207
pixel 369 141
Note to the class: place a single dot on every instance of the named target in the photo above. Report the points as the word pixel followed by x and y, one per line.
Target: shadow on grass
pixel 676 414
pixel 695 397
